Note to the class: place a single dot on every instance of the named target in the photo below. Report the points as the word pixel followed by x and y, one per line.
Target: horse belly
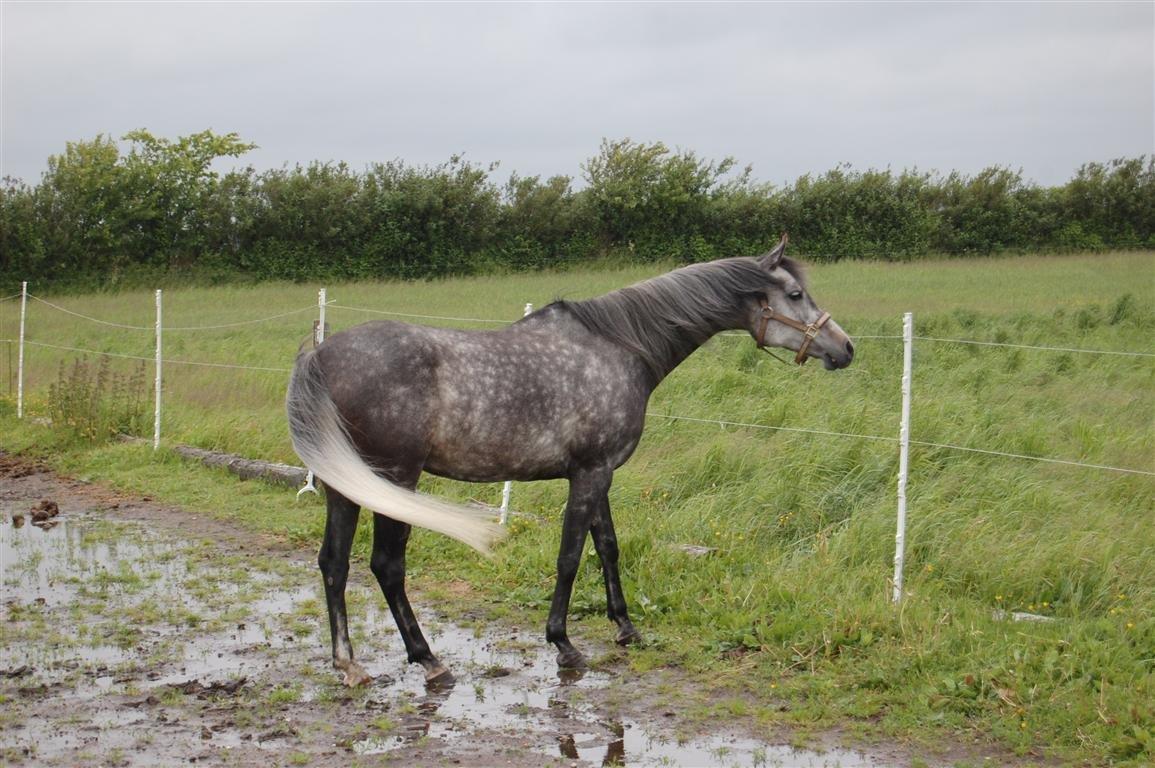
pixel 495 451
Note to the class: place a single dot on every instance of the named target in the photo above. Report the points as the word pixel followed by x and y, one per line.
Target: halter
pixel 808 331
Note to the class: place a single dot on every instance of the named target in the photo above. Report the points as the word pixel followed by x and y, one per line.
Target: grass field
pixel 794 597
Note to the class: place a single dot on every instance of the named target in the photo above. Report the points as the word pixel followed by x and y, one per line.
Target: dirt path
pixel 134 633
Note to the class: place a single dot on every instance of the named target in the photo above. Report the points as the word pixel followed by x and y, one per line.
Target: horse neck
pixel 684 346
pixel 661 334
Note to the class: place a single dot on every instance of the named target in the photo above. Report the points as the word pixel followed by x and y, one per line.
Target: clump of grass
pixel 289 694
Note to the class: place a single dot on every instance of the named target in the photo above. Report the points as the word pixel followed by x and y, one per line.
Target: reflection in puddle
pixel 512 685
pixel 189 621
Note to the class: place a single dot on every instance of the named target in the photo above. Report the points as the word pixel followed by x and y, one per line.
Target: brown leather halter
pixel 808 331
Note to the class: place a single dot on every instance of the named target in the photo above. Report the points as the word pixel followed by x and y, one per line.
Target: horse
pixel 561 393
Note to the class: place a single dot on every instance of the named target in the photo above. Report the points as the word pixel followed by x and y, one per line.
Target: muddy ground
pixel 135 633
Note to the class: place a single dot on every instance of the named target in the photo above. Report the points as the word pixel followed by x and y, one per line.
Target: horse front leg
pixel 606 544
pixel 585 488
pixel 340 525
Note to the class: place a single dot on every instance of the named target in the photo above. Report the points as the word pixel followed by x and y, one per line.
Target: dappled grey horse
pixel 561 393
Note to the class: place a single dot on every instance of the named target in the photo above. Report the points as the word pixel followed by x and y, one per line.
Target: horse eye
pixel 795 295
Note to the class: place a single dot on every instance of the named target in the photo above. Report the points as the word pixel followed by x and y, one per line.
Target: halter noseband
pixel 808 331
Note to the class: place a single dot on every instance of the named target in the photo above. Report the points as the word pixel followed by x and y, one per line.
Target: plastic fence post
pixel 508 487
pixel 318 337
pixel 156 413
pixel 903 455
pixel 20 354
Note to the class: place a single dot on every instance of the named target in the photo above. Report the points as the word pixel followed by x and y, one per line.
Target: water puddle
pixel 100 611
pixel 100 608
pixel 513 685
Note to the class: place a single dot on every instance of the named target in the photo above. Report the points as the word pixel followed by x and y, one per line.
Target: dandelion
pixel 998 598
pixel 1130 625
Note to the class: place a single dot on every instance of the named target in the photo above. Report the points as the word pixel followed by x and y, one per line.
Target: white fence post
pixel 508 487
pixel 156 414
pixel 903 455
pixel 318 337
pixel 20 354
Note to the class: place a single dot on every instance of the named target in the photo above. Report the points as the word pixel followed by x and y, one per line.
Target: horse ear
pixel 772 259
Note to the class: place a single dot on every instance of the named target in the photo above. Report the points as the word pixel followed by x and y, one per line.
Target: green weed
pixel 96 403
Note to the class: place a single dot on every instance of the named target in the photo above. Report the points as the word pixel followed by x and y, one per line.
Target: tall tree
pixel 168 185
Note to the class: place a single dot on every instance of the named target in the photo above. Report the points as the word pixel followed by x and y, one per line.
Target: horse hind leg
pixel 390 538
pixel 340 525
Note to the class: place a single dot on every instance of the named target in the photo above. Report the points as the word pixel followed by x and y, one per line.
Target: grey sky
pixel 790 88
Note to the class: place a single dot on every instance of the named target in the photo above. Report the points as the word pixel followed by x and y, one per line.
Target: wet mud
pixel 133 634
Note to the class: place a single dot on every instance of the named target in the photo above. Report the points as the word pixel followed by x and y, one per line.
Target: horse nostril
pixel 850 349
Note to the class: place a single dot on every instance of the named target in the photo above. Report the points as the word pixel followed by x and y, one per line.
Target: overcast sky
pixel 790 88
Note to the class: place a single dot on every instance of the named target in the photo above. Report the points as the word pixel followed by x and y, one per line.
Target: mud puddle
pixel 125 644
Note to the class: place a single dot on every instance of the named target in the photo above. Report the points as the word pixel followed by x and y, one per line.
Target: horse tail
pixel 322 441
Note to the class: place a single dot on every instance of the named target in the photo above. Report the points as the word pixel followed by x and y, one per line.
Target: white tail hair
pixel 322 442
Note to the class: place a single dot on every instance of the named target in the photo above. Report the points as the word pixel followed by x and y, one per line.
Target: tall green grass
pixel 794 592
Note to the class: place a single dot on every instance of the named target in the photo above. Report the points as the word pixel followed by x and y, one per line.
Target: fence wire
pixel 447 318
pixel 1036 347
pixel 1043 459
pixel 152 358
pixel 673 417
pixel 976 342
pixel 335 305
pixel 724 423
pixel 168 328
pixel 31 343
pixel 93 319
pixel 302 310
pixel 887 439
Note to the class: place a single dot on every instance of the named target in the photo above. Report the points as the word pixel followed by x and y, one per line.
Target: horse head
pixel 782 314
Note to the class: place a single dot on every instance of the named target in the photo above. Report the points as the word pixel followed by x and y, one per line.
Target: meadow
pixel 788 616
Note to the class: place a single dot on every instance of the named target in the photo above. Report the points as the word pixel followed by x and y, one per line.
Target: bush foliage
pixel 101 214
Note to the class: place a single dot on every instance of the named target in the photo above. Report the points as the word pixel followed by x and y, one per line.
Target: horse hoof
pixel 628 636
pixel 439 677
pixel 571 659
pixel 355 675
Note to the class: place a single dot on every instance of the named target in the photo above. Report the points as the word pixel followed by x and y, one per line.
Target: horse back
pixel 526 402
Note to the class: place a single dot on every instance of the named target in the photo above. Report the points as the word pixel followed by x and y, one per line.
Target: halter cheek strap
pixel 808 331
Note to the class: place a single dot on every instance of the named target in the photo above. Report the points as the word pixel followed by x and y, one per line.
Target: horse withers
pixel 561 393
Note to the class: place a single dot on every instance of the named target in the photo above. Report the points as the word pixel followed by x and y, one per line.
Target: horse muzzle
pixel 841 359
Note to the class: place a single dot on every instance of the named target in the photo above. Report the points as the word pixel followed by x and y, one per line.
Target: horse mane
pixel 658 318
